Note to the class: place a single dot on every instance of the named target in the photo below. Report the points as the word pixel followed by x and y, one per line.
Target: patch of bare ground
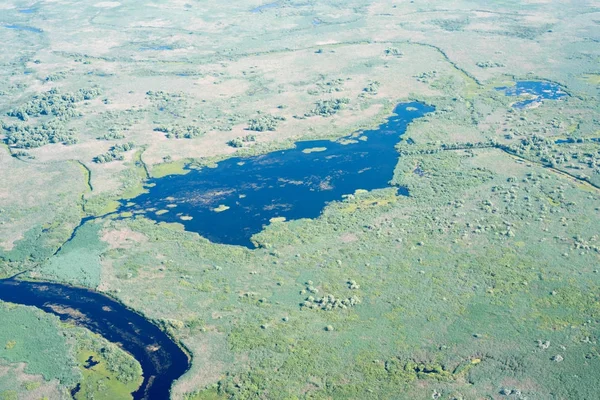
pixel 348 238
pixel 123 238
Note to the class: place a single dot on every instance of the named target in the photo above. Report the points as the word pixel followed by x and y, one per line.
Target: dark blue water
pixel 161 359
pixel 292 184
pixel 24 28
pixel 539 90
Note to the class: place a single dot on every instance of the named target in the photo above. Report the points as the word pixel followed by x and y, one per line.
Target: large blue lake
pixel 230 203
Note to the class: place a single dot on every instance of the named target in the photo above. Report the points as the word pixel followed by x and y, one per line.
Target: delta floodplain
pixel 311 200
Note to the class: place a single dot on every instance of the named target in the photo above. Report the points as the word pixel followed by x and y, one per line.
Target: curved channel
pixel 161 359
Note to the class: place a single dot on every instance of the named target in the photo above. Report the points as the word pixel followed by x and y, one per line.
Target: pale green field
pixel 482 284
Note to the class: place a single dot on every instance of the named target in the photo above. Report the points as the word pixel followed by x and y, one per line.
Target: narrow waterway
pixel 161 359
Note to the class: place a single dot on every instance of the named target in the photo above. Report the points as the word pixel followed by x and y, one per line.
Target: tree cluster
pixel 327 108
pixel 489 64
pixel 240 141
pixel 393 51
pixel 372 87
pixel 115 153
pixel 30 136
pixel 54 103
pixel 179 132
pixel 329 302
pixel 426 77
pixel 264 122
pixel 335 85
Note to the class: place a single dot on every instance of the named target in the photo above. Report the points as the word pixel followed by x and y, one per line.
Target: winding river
pixel 161 359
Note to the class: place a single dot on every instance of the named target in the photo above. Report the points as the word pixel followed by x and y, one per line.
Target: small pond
pixel 535 91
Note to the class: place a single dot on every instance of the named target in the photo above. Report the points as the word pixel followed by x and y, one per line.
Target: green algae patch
pixel 78 261
pixel 171 168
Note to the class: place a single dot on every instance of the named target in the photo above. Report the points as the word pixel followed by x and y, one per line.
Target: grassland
pixel 483 283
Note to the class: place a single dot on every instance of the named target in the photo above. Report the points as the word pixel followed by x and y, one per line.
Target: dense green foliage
pixel 60 107
pixel 240 141
pixel 112 134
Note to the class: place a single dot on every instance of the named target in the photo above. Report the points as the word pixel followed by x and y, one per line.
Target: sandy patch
pixel 348 238
pixel 123 238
